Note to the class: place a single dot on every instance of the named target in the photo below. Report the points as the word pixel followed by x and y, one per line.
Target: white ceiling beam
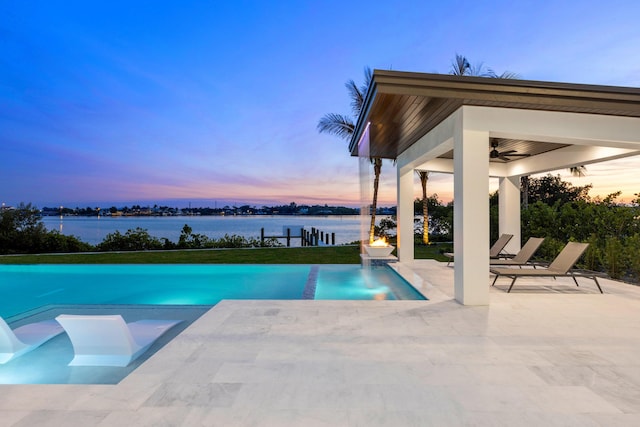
pixel 565 158
pixel 555 126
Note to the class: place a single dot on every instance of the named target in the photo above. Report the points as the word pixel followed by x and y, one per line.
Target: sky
pixel 217 103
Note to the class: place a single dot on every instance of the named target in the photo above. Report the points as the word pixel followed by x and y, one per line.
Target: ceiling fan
pixel 504 155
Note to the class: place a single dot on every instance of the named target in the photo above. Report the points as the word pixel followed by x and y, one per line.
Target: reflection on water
pixel 93 230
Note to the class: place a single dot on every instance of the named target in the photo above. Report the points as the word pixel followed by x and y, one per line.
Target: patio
pixel 548 353
pixel 476 128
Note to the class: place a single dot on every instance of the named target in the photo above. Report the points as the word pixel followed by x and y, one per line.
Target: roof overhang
pixel 401 107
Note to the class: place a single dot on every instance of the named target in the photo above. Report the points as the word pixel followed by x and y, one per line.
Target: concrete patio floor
pixel 548 353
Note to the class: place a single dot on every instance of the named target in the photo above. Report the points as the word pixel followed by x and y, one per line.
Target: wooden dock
pixel 313 237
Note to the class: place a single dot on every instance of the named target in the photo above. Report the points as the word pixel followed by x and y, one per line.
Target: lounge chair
pixel 523 256
pixel 560 267
pixel 494 252
pixel 106 340
pixel 16 342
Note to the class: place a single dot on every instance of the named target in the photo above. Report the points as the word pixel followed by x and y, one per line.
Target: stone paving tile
pixel 194 394
pixel 156 417
pixel 62 418
pixel 11 418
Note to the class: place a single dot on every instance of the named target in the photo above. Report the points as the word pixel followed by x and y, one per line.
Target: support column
pixel 509 211
pixel 471 215
pixel 405 215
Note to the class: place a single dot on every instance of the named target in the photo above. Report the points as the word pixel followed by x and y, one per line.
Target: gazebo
pixel 476 128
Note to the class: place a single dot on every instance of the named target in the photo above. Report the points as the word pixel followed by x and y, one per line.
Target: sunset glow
pixel 218 102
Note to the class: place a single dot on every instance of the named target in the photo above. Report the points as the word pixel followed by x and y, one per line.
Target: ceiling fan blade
pixel 505 156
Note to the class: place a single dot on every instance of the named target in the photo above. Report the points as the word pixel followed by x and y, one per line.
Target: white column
pixel 471 215
pixel 405 214
pixel 509 211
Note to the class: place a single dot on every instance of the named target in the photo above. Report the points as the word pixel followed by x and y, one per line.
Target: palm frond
pixel 422 174
pixel 336 124
pixel 356 95
pixel 368 76
pixel 479 70
pixel 578 171
pixel 504 75
pixel 460 66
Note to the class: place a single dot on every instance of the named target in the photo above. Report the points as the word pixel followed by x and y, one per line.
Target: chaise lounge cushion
pixel 16 342
pixel 107 340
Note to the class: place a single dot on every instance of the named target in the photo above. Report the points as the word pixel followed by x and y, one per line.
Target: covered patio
pixel 476 128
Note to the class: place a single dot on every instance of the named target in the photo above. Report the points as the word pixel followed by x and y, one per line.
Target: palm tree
pixel 424 176
pixel 343 126
pixel 524 189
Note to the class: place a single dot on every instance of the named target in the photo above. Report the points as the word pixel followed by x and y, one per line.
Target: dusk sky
pixel 211 102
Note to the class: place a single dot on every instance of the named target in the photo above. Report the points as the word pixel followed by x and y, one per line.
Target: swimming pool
pixel 27 287
pixel 30 293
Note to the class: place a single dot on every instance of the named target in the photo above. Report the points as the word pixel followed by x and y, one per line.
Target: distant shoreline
pixel 291 209
pixel 192 215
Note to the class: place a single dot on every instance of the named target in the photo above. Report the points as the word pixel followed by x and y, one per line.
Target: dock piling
pixel 307 238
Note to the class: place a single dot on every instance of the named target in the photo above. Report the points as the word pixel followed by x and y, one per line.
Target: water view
pixel 94 229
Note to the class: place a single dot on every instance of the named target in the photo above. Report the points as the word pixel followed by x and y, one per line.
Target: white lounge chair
pixel 16 342
pixel 106 340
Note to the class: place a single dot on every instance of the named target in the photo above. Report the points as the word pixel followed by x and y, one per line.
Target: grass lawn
pixel 307 255
pixel 432 251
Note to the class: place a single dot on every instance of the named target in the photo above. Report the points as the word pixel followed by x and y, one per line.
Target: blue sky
pixel 217 102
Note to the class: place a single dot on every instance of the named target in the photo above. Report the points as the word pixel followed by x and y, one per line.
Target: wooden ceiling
pixel 402 107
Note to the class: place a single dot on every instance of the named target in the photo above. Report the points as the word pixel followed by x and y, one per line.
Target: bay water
pixel 93 230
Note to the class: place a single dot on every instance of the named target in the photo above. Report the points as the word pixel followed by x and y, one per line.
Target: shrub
pixel 22 231
pixel 632 252
pixel 189 240
pixel 56 242
pixel 133 240
pixel 613 258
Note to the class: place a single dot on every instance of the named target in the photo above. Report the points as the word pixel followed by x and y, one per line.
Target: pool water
pixel 27 287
